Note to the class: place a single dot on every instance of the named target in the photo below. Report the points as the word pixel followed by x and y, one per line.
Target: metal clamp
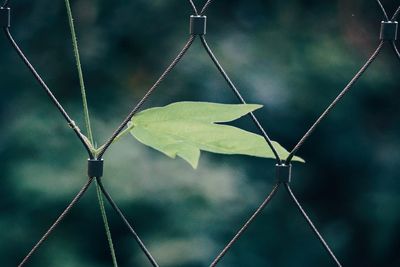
pixel 389 30
pixel 95 168
pixel 198 25
pixel 5 17
pixel 283 173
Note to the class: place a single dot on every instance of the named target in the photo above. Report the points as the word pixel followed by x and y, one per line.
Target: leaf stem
pixel 127 130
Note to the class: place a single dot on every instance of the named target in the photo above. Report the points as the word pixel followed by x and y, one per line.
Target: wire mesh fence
pixel 198 29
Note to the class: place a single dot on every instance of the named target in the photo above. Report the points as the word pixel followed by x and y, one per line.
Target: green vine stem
pixel 106 225
pixel 88 127
pixel 80 73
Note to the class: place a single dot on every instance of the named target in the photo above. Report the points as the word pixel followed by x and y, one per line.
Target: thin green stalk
pixel 106 225
pixel 88 127
pixel 80 73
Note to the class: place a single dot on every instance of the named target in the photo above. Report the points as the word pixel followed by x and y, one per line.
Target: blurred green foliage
pixel 291 56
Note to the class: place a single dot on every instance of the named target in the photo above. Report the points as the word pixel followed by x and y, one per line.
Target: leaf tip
pixel 298 159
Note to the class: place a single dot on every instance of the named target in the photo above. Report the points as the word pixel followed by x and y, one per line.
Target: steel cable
pixel 204 9
pixel 311 224
pixel 394 17
pixel 147 95
pixel 383 10
pixel 246 225
pixel 334 102
pixel 53 99
pixel 6 3
pixel 126 222
pixel 193 7
pixel 396 50
pixel 239 96
pixel 57 222
pixel 396 13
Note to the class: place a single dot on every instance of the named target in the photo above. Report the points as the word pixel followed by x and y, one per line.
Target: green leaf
pixel 195 111
pixel 183 129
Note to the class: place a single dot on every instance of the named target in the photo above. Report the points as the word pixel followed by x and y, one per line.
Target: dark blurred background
pixel 291 56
